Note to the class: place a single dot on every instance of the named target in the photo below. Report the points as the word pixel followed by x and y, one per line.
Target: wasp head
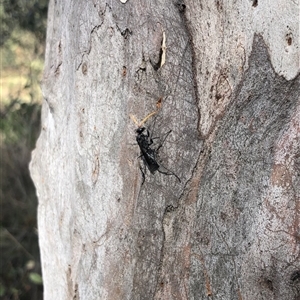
pixel 140 130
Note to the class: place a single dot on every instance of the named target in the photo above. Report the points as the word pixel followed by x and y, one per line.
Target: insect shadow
pixel 149 153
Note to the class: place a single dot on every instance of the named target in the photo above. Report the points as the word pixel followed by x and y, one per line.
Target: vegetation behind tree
pixel 23 30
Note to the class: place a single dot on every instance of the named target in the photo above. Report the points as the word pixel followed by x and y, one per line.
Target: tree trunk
pixel 229 90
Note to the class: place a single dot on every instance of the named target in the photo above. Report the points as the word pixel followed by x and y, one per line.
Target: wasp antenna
pixel 133 118
pixel 146 118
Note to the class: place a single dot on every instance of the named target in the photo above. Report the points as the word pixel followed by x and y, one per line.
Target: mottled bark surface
pixel 230 93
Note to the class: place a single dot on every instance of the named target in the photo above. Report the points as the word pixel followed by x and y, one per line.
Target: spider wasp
pixel 148 153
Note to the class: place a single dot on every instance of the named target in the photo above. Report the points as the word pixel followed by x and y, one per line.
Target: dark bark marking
pixel 222 87
pixel 57 69
pixel 180 5
pixel 158 41
pixel 295 275
pixel 76 293
pixel 219 5
pixel 50 105
pixel 156 65
pixel 125 33
pixel 59 48
pixel 124 71
pixel 84 68
pixel 96 169
pixel 268 283
pixel 289 39
pixel 73 291
pixel 255 3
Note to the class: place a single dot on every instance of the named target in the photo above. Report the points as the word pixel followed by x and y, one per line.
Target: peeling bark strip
pixel 225 77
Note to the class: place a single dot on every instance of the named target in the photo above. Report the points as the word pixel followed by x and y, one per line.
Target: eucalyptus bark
pixel 229 89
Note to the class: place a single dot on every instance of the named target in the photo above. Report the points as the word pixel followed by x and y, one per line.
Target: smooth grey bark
pixel 229 91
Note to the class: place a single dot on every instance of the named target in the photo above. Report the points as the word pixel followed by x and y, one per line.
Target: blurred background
pixel 22 47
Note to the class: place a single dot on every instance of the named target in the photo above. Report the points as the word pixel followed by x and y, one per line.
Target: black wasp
pixel 148 153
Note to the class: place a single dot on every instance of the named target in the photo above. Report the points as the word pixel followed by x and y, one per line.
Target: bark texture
pixel 230 92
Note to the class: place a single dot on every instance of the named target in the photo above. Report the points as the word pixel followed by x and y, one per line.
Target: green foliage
pixel 30 15
pixel 23 29
pixel 20 124
pixel 35 278
pixel 19 263
pixel 22 64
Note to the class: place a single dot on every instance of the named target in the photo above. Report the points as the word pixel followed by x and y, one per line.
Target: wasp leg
pixel 163 140
pixel 143 171
pixel 168 173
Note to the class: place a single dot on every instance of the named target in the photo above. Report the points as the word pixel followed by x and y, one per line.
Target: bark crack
pixel 181 7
